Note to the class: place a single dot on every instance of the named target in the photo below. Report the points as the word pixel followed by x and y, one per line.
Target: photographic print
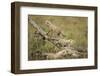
pixel 57 37
pixel 52 37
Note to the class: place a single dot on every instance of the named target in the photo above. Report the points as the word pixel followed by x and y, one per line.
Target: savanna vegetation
pixel 65 28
